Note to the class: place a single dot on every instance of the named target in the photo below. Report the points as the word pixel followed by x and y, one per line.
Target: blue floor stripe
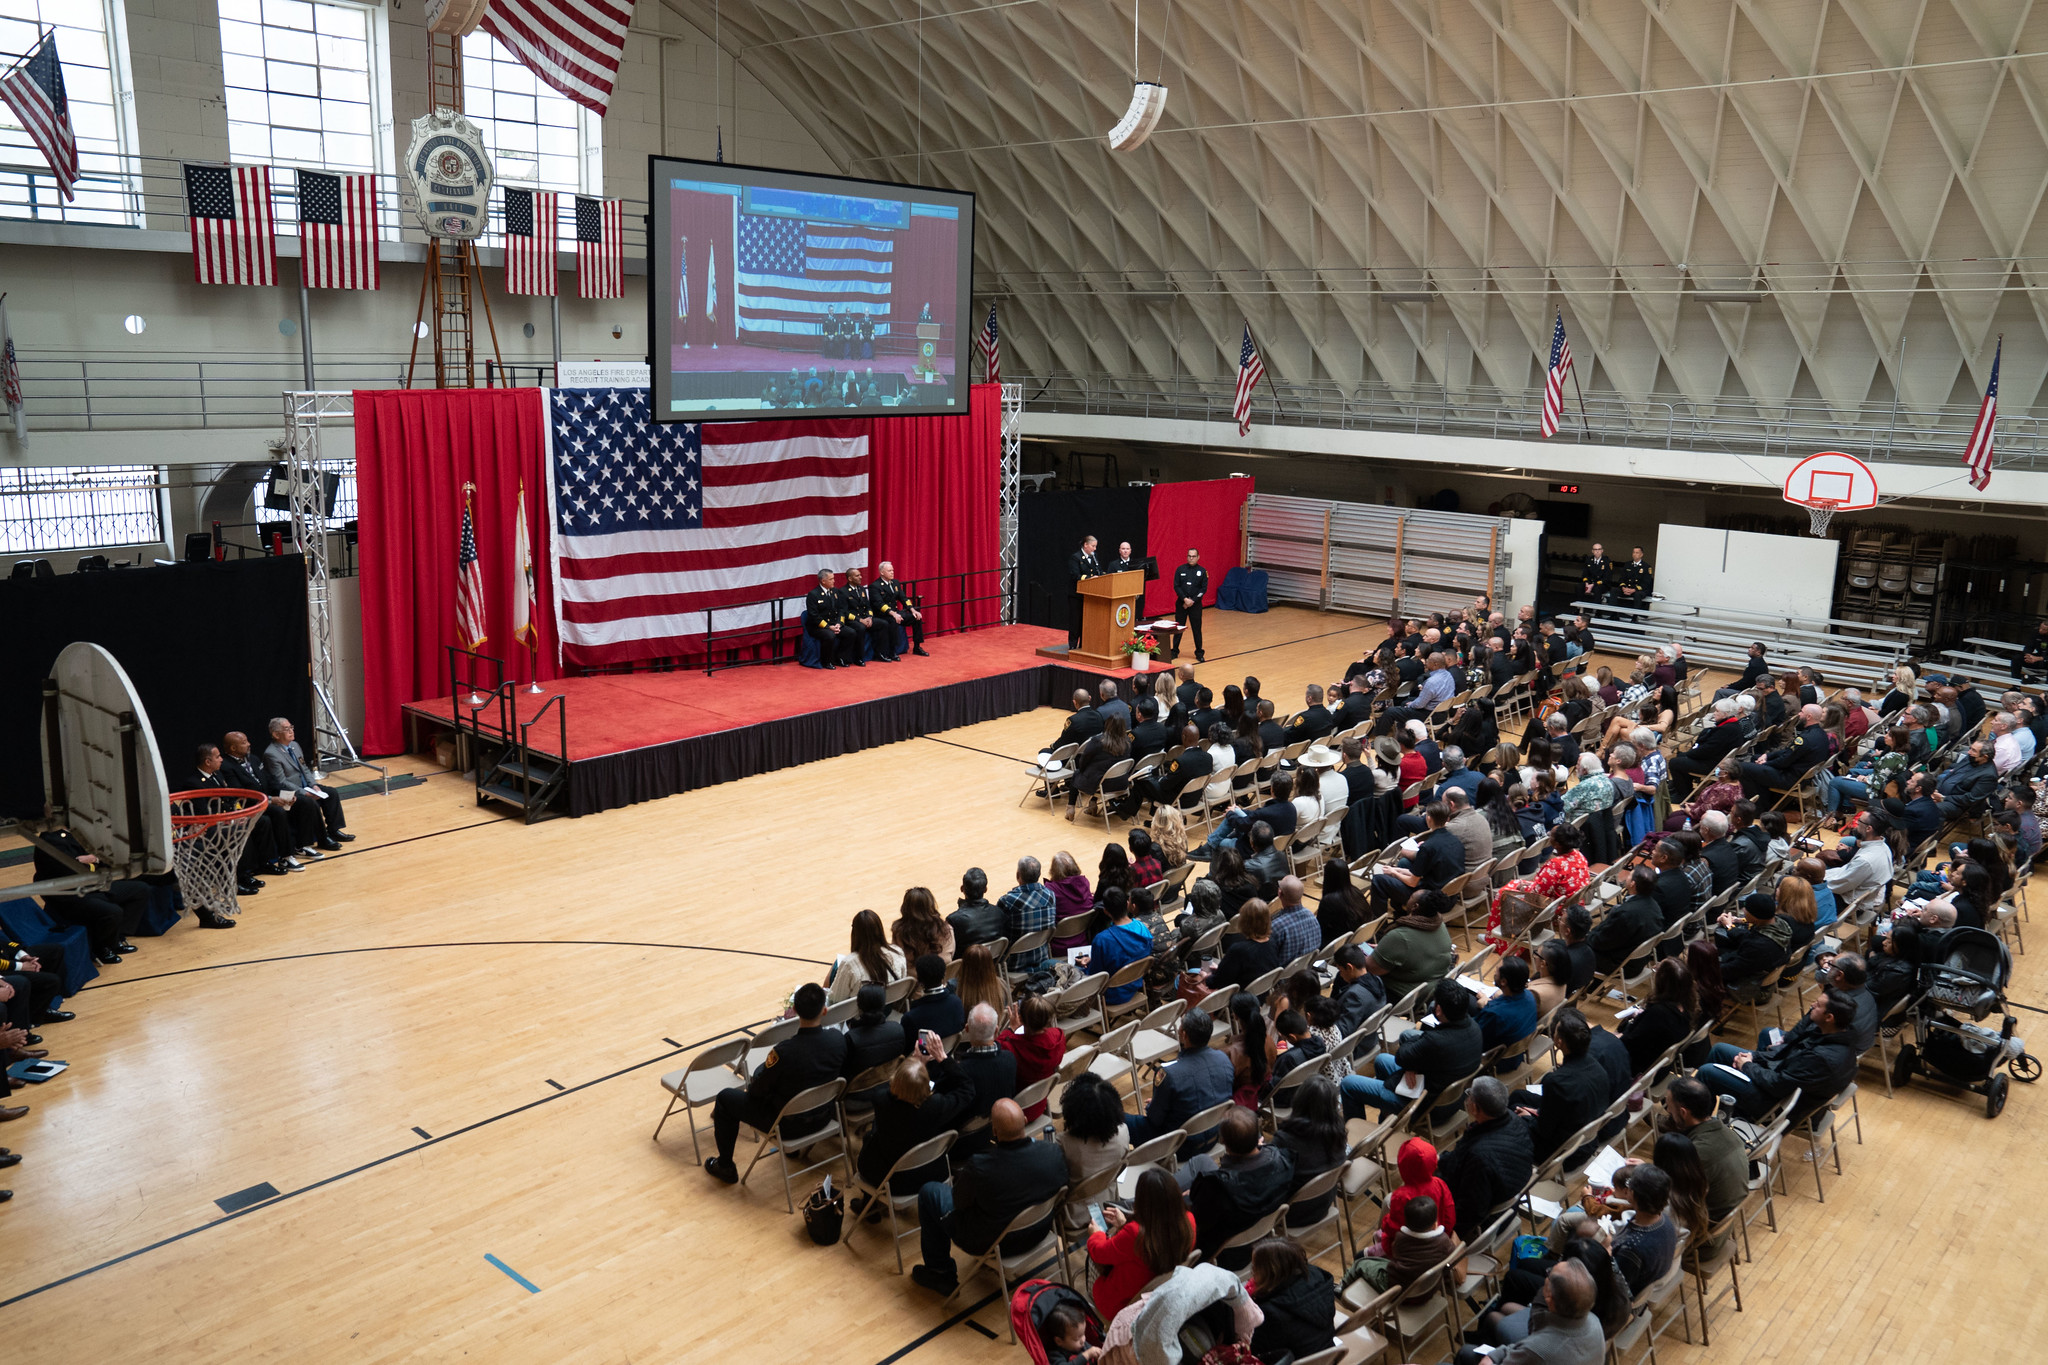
pixel 528 1285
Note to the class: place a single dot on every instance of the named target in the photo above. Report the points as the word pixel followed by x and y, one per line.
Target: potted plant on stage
pixel 1141 647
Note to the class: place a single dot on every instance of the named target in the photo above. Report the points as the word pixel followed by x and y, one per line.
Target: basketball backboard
pixel 102 776
pixel 1832 477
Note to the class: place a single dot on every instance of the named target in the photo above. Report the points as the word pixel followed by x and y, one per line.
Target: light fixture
pixel 526 329
pixel 617 331
pixel 134 323
pixel 1148 102
pixel 419 329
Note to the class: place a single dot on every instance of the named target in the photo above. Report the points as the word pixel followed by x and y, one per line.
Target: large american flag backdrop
pixel 656 524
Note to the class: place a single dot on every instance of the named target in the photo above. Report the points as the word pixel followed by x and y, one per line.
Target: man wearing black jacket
pixel 257 852
pixel 1356 708
pixel 1493 1159
pixel 1165 783
pixel 284 829
pixel 1629 925
pixel 988 1190
pixel 1190 586
pixel 1272 735
pixel 825 621
pixel 1575 1092
pixel 1965 789
pixel 104 915
pixel 1150 735
pixel 1715 743
pixel 810 1057
pixel 1723 859
pixel 1443 1049
pixel 1438 859
pixel 860 606
pixel 1782 769
pixel 1819 1064
pixel 925 1099
pixel 1084 725
pixel 1228 1195
pixel 893 600
pixel 1080 564
pixel 1672 889
pixel 1315 721
pixel 1748 952
pixel 977 920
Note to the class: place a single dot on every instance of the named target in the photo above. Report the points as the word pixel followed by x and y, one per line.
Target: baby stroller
pixel 1965 976
pixel 1031 1303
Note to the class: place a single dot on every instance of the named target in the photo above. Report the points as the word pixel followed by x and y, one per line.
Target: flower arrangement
pixel 1142 642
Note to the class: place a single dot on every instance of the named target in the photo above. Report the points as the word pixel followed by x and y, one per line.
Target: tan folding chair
pixel 1156 1041
pixel 1159 1151
pixel 698 1084
pixel 1258 1231
pixel 1326 1234
pixel 923 1154
pixel 1131 974
pixel 818 1097
pixel 764 1042
pixel 1050 775
pixel 1007 1265
pixel 1080 1005
pixel 1702 1265
pixel 1025 943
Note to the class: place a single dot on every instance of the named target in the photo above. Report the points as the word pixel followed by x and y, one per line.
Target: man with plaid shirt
pixel 1295 927
pixel 1026 910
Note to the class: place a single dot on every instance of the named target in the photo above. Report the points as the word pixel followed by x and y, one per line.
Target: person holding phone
pixel 1130 1249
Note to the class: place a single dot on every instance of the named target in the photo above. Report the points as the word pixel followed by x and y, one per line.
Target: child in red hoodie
pixel 1417 1163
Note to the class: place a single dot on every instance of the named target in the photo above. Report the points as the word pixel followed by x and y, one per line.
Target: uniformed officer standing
pixel 893 601
pixel 1190 586
pixel 1596 576
pixel 1080 564
pixel 823 622
pixel 860 606
pixel 1636 580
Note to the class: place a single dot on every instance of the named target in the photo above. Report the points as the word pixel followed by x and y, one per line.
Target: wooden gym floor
pixel 442 1047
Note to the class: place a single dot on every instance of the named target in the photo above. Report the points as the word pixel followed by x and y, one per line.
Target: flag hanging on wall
pixel 573 45
pixel 234 236
pixel 989 346
pixel 1250 370
pixel 469 581
pixel 1553 378
pixel 523 591
pixel 338 230
pixel 656 523
pixel 10 378
pixel 1977 454
pixel 34 90
pixel 531 222
pixel 600 248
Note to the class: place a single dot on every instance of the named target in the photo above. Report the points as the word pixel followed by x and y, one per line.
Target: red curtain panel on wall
pixel 1204 514
pixel 414 451
pixel 935 488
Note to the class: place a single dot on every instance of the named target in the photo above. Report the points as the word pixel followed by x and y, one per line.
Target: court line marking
pixel 962 1316
pixel 528 1285
pixel 369 1165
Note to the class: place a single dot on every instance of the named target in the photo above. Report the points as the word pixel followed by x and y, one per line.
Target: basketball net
pixel 1820 511
pixel 209 829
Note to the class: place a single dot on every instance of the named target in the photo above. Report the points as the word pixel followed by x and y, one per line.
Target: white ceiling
pixel 1874 169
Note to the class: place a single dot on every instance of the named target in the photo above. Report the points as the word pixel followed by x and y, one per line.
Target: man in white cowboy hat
pixel 1331 789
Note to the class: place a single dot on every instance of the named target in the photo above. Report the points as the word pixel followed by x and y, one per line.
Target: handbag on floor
pixel 825 1214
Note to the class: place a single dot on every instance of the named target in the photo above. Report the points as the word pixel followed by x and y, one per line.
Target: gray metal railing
pixel 1872 431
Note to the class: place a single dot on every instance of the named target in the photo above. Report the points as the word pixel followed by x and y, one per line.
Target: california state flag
pixel 522 575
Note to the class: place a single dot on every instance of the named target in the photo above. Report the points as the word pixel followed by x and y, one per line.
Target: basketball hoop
pixel 1828 483
pixel 208 830
pixel 1820 512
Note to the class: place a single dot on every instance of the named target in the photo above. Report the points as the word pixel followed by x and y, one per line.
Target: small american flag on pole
pixel 600 248
pixel 234 236
pixel 1250 370
pixel 573 45
pixel 531 222
pixel 1977 454
pixel 338 230
pixel 34 90
pixel 1553 380
pixel 989 346
pixel 469 581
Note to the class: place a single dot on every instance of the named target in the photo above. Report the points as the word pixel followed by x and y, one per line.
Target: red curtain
pixel 706 220
pixel 414 451
pixel 926 269
pixel 1204 515
pixel 934 509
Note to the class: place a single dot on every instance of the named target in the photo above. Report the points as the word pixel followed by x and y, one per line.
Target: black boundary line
pixel 372 1164
pixel 1366 624
pixel 956 744
pixel 104 984
pixel 950 1323
pixel 409 839
pixel 981 1329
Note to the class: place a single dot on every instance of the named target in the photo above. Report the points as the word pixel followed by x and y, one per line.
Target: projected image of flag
pixel 791 274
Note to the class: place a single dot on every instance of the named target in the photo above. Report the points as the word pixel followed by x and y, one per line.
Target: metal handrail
pixel 775 630
pixel 560 704
pixel 1796 427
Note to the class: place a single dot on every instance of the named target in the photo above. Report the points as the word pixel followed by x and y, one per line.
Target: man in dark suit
pixel 1356 708
pixel 1165 783
pixel 286 828
pixel 1635 581
pixel 1149 735
pixel 105 914
pixel 1206 712
pixel 810 1057
pixel 1594 576
pixel 287 763
pixel 894 601
pixel 1782 768
pixel 1084 725
pixel 1629 925
pixel 1272 736
pixel 992 1069
pixel 1574 1092
pixel 1080 564
pixel 1315 721
pixel 926 1097
pixel 824 621
pixel 257 851
pixel 1492 1161
pixel 1965 789
pixel 1125 560
pixel 988 1190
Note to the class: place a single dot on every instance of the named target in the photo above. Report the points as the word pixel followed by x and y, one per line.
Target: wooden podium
pixel 1109 609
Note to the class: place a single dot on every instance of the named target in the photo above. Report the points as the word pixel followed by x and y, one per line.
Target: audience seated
pixel 1447 1051
pixel 1493 1158
pixel 976 920
pixel 1819 1064
pixel 1228 1194
pixel 987 1191
pixel 1575 1091
pixel 289 768
pixel 810 1057
pixel 1200 1078
pixel 1036 1042
pixel 934 1005
pixel 926 1096
pixel 1298 1299
pixel 871 958
pixel 1135 1248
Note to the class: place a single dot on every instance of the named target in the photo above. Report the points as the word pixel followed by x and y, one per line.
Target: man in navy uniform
pixel 810 1057
pixel 1635 581
pixel 860 605
pixel 1190 586
pixel 1596 576
pixel 1080 564
pixel 892 600
pixel 824 622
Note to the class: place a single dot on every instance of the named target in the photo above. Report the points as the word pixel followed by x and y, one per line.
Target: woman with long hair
pixel 1905 690
pixel 1251 1049
pixel 1114 870
pixel 1990 856
pixel 919 929
pixel 1551 983
pixel 1670 1013
pixel 980 982
pixel 1169 836
pixel 1297 1301
pixel 1313 1132
pixel 1152 1240
pixel 1490 799
pixel 1239 887
pixel 1675 1155
pixel 1233 704
pixel 1342 908
pixel 871 957
pixel 1101 753
pixel 1797 908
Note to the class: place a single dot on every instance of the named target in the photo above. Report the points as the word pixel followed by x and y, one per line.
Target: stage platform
pixel 640 736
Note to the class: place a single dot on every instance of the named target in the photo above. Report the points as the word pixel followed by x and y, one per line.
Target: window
pixel 93 53
pixel 302 83
pixel 80 508
pixel 539 138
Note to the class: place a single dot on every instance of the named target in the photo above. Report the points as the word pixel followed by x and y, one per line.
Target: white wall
pixel 1771 575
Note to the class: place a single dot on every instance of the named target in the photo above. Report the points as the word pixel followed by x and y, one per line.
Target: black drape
pixel 1050 527
pixel 209 646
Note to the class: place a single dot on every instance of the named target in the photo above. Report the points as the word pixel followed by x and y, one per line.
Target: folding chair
pixel 1159 1151
pixel 764 1042
pixel 1025 943
pixel 818 1097
pixel 1113 1055
pixel 1051 774
pixel 1703 1265
pixel 698 1084
pixel 1005 1265
pixel 1257 1232
pixel 1131 974
pixel 1821 1129
pixel 1326 1234
pixel 1642 1325
pixel 1765 1157
pixel 1157 1039
pixel 923 1154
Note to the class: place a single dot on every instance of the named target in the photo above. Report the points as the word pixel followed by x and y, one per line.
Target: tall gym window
pixel 92 46
pixel 304 84
pixel 540 139
pixel 81 507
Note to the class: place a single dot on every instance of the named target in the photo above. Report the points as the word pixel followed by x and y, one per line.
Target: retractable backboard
pixel 102 775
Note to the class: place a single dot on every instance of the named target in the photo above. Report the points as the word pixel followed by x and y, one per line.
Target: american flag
pixel 683 274
pixel 34 90
pixel 1250 370
pixel 989 346
pixel 531 222
pixel 1977 454
pixel 469 583
pixel 572 45
pixel 1553 380
pixel 338 230
pixel 791 273
pixel 656 523
pixel 234 236
pixel 10 378
pixel 600 248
